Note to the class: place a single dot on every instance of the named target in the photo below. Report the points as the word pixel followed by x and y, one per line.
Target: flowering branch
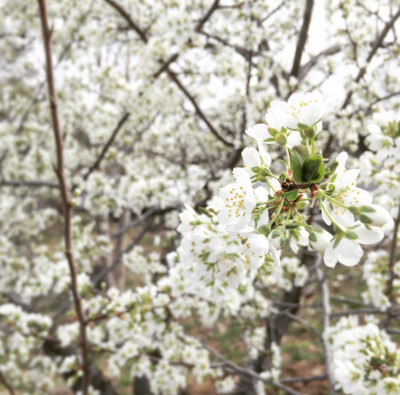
pixel 67 205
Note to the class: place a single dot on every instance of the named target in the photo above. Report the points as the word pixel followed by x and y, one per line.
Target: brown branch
pixel 301 42
pixel 392 257
pixel 248 372
pixel 6 384
pixel 165 67
pixel 100 276
pixel 306 379
pixel 375 46
pixel 137 221
pixel 131 23
pixel 356 311
pixel 103 152
pixel 207 16
pixel 326 323
pixel 197 108
pixel 334 49
pixel 66 202
pixel 33 183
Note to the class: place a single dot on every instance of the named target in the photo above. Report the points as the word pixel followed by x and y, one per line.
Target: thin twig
pixel 103 152
pixel 100 277
pixel 33 183
pixel 66 202
pixel 326 322
pixel 250 373
pixel 356 312
pixel 165 67
pixel 375 46
pixel 391 276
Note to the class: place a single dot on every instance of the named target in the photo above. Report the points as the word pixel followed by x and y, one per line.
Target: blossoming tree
pixel 191 189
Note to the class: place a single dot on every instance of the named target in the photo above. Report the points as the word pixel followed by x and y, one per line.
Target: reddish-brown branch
pixel 66 202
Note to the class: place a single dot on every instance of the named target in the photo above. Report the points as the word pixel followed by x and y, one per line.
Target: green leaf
pixel 291 195
pixel 312 237
pixel 330 168
pixel 367 209
pixel 313 169
pixel 336 242
pixel 299 154
pixel 302 126
pixel 351 235
pixel 364 219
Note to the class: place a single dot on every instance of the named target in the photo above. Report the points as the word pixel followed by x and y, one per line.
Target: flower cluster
pixel 365 360
pixel 278 205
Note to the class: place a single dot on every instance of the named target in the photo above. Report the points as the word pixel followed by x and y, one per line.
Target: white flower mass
pixel 200 197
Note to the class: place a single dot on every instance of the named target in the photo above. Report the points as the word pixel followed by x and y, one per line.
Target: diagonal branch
pixel 100 277
pixel 197 108
pixel 165 67
pixel 301 42
pixel 207 16
pixel 377 43
pixel 131 23
pixel 107 145
pixel 66 202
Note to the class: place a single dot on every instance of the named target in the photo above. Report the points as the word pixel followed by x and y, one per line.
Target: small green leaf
pixel 364 219
pixel 336 242
pixel 313 169
pixel 351 235
pixel 354 210
pixel 312 237
pixel 330 168
pixel 299 154
pixel 291 195
pixel 367 209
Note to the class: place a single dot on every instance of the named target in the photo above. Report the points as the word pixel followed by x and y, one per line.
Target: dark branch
pixel 66 202
pixel 207 16
pixel 34 183
pixel 377 43
pixel 131 23
pixel 301 42
pixel 103 152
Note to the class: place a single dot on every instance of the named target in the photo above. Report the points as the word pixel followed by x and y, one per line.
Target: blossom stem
pixel 333 200
pixel 313 145
pixel 328 215
pixel 277 212
pixel 287 156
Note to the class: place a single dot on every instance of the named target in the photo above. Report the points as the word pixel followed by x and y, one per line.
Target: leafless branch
pixel 301 42
pixel 377 43
pixel 131 23
pixel 108 144
pixel 66 202
pixel 207 15
pixel 249 373
pixel 6 384
pixel 101 276
pixel 326 322
pixel 33 183
pixel 392 257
